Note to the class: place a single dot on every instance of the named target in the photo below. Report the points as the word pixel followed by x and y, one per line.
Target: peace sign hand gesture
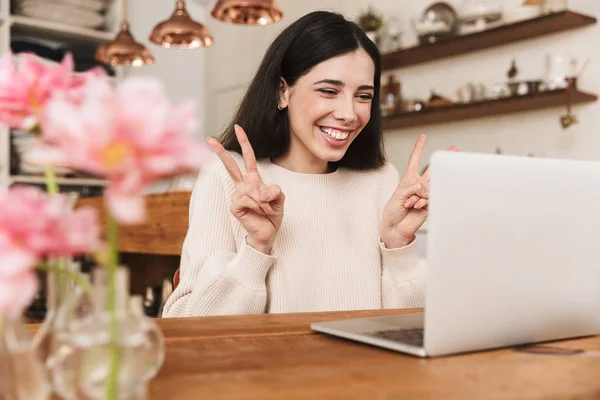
pixel 406 210
pixel 258 207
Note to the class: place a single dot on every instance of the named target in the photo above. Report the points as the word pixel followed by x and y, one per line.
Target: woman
pixel 303 213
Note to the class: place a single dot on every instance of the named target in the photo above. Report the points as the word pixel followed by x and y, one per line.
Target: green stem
pixel 113 242
pixel 84 284
pixel 51 185
pixel 113 372
pixel 52 189
pixel 62 279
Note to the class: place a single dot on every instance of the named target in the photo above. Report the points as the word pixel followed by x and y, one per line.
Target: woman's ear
pixel 284 94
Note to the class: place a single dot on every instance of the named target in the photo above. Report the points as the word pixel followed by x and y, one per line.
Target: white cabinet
pixel 53 34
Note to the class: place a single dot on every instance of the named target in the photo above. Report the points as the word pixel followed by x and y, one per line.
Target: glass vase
pixel 59 289
pixel 152 351
pixel 59 286
pixel 61 362
pixel 22 375
pixel 117 350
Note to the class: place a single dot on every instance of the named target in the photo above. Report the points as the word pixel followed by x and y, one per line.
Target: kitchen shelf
pixel 509 33
pixel 55 30
pixel 457 112
pixel 60 181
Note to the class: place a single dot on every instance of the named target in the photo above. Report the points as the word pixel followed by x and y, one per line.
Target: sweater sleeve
pixel 402 277
pixel 217 275
pixel 402 270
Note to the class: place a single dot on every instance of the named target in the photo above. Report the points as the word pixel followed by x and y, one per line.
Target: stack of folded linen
pixel 80 13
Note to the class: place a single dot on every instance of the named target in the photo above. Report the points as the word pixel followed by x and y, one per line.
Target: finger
pixel 415 157
pixel 416 189
pixel 254 194
pixel 426 173
pixel 247 150
pixel 422 203
pixel 228 161
pixel 244 203
pixel 273 194
pixel 411 201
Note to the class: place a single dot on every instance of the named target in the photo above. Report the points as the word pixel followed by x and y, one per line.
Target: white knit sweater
pixel 326 256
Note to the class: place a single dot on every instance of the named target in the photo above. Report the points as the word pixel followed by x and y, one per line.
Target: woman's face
pixel 329 106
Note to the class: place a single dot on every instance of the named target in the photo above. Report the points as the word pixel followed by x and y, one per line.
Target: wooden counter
pixel 164 229
pixel 152 249
pixel 279 357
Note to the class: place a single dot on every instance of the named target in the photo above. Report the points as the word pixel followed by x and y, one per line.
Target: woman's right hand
pixel 258 207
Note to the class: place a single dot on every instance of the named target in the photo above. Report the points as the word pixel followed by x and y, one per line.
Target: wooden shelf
pixel 55 30
pixel 501 35
pixel 555 98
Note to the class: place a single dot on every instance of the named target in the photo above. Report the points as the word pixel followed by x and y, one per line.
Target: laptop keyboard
pixel 412 336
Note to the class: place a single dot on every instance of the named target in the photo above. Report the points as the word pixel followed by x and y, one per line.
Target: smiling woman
pixel 306 139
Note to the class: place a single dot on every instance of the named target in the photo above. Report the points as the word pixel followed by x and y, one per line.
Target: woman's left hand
pixel 406 210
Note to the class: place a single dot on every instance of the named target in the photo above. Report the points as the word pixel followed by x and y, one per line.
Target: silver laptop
pixel 513 258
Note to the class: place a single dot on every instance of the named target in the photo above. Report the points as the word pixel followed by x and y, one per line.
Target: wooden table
pixel 278 357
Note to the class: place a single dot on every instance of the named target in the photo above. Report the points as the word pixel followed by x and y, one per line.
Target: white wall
pixel 237 51
pixel 181 70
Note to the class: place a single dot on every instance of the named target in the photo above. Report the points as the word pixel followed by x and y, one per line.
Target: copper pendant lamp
pixel 124 50
pixel 180 31
pixel 247 12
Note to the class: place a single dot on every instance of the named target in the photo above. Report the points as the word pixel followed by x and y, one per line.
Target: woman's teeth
pixel 335 134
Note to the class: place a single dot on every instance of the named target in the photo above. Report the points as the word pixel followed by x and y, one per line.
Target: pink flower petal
pixel 17 294
pixel 15 261
pixel 34 224
pixel 82 231
pixel 27 84
pixel 126 208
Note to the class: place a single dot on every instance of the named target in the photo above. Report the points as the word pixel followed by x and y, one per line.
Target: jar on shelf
pixel 477 15
pixel 554 6
pixel 438 22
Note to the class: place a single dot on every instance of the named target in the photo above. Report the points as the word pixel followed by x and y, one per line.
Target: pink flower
pixel 43 225
pixel 131 135
pixel 34 225
pixel 27 85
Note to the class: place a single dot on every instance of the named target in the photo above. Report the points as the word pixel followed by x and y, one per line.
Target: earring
pixel 279 107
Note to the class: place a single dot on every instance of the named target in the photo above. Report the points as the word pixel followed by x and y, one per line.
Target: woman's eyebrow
pixel 331 82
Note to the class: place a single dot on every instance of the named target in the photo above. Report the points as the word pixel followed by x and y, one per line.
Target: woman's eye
pixel 328 91
pixel 365 97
